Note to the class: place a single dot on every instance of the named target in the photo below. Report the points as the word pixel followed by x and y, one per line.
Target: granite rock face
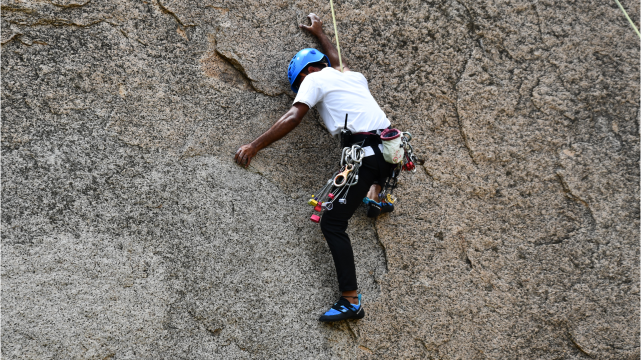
pixel 129 233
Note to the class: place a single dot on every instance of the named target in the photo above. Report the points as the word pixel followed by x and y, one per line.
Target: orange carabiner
pixel 343 175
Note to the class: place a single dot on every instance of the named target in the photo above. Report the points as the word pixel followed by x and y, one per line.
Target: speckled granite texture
pixel 129 233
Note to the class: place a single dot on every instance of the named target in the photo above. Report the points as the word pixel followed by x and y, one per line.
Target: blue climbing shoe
pixel 373 208
pixel 342 310
pixel 376 208
pixel 386 207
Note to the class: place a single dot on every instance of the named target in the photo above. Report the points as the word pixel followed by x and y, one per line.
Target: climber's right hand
pixel 316 28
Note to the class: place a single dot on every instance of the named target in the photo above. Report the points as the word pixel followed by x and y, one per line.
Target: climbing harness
pixel 338 185
pixel 338 47
pixel 618 3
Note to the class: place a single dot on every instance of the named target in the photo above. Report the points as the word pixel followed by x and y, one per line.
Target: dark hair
pixel 319 64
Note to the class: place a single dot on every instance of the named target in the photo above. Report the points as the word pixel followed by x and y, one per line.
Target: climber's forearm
pixel 329 49
pixel 282 127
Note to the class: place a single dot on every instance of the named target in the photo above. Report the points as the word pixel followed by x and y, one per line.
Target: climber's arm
pixel 316 29
pixel 282 127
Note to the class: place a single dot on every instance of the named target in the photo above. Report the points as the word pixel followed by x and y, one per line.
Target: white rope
pixel 618 3
pixel 338 47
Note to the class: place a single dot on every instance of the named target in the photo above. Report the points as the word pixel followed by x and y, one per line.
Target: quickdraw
pixel 409 161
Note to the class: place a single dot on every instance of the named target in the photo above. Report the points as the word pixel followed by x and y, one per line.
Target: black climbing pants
pixel 334 223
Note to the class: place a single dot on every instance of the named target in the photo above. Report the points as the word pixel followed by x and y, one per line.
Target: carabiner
pixel 343 176
pixel 357 154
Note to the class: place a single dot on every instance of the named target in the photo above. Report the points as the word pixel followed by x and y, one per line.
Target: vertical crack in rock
pixel 166 10
pixel 217 67
pixel 567 190
pixel 472 28
pixel 231 60
pixel 569 194
pixel 458 116
pixel 378 238
pixel 468 261
pixel 472 24
pixel 351 331
pixel 639 121
pixel 539 21
pixel 464 136
pixel 532 97
pixel 464 247
pixel 578 346
pixel 124 33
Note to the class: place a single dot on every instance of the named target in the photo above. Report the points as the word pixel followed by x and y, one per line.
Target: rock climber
pixel 317 79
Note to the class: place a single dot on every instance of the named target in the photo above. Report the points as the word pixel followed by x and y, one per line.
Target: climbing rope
pixel 338 47
pixel 617 1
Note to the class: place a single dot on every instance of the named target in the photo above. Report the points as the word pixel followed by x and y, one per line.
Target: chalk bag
pixel 392 146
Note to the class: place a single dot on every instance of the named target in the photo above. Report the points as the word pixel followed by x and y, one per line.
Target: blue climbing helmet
pixel 302 59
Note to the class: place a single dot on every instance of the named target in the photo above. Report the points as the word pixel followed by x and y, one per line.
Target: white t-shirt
pixel 337 94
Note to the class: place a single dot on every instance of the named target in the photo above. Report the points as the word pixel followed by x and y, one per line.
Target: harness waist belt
pixel 369 151
pixel 373 132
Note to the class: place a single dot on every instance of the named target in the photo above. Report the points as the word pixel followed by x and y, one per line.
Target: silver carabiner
pixel 344 156
pixel 357 154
